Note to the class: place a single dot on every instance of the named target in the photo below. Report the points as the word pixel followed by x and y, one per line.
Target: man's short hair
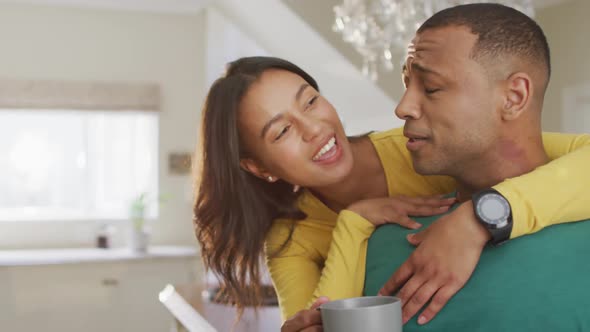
pixel 501 30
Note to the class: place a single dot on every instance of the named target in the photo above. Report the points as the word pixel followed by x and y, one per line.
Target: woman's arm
pixel 554 193
pixel 324 261
pixel 551 194
pixel 300 276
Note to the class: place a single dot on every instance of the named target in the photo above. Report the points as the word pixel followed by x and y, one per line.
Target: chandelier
pixel 382 29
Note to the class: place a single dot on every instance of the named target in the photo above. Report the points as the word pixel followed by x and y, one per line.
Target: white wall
pixel 100 45
pixel 65 43
pixel 320 16
pixel 276 28
pixel 225 42
pixel 566 25
pixel 567 28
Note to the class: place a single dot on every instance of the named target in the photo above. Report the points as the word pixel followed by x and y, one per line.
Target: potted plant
pixel 140 233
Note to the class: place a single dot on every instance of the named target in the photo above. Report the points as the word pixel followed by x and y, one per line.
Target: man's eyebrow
pixel 280 115
pixel 405 75
pixel 425 70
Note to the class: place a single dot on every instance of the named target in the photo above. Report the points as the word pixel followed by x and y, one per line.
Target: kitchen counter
pixel 32 257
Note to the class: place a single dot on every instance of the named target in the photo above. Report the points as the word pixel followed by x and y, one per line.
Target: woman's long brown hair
pixel 234 209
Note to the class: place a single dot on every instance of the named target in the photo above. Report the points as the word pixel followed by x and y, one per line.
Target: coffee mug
pixel 369 313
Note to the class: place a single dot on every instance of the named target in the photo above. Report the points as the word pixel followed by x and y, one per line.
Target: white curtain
pixel 103 96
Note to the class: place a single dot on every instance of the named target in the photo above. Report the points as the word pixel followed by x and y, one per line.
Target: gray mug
pixel 369 313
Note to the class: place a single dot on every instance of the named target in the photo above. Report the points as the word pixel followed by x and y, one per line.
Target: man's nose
pixel 408 107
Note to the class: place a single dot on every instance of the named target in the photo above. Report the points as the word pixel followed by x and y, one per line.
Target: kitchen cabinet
pixel 90 289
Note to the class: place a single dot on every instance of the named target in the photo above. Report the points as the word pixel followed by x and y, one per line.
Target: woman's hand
pixel 309 320
pixel 396 210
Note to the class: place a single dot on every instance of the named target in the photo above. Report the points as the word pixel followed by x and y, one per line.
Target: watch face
pixel 494 210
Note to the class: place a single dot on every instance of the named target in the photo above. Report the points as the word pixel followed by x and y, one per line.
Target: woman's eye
pixel 282 133
pixel 431 91
pixel 311 101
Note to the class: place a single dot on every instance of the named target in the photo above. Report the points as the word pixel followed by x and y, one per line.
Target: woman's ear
pixel 518 92
pixel 257 170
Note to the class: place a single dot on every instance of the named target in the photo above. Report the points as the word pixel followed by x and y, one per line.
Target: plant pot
pixel 139 240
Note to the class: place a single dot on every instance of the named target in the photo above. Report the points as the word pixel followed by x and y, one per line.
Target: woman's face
pixel 291 132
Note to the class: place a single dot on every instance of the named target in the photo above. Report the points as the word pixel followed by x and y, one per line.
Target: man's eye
pixel 431 91
pixel 282 133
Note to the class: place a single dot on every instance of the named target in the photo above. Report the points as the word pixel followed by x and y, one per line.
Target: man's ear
pixel 256 169
pixel 518 92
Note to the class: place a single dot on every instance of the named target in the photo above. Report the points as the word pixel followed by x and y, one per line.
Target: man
pixel 476 77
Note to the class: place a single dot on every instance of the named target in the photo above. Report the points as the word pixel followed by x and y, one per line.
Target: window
pixel 76 165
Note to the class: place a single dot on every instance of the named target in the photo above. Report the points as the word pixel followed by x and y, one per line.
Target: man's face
pixel 449 104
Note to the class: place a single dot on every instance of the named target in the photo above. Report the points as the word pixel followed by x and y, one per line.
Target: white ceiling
pixel 171 6
pixel 157 6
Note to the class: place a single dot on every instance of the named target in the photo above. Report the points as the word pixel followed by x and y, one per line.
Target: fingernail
pixel 446 207
pixel 417 225
pixel 421 320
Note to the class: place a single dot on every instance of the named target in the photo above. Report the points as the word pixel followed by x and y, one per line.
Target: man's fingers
pixel 439 300
pixel 410 288
pixel 398 278
pixel 417 238
pixel 418 300
pixel 413 239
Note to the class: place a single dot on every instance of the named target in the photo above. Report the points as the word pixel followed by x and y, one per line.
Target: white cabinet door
pixel 120 296
pixel 59 297
pixel 137 295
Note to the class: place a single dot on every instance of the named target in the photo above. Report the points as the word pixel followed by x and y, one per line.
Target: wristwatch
pixel 493 211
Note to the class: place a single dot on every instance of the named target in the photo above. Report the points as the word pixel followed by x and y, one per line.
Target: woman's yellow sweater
pixel 326 253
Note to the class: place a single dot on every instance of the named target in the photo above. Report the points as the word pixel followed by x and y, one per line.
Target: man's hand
pixel 306 320
pixel 446 255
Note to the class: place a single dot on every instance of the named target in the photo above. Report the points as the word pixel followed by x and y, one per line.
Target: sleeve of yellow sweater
pixel 298 275
pixel 554 193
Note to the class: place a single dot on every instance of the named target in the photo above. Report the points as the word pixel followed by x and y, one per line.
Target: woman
pixel 266 132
